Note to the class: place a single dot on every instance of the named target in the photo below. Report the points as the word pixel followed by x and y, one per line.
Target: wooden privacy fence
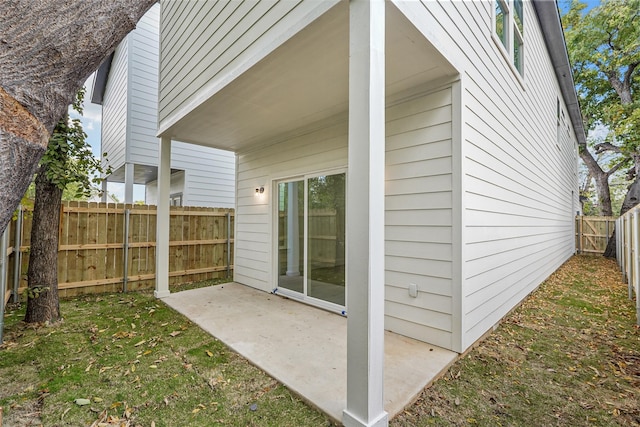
pixel 112 247
pixel 593 233
pixel 628 253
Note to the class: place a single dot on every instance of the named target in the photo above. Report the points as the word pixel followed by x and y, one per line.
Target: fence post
pixel 17 256
pixel 580 231
pixel 4 240
pixel 618 248
pixel 628 242
pixel 125 251
pixel 228 244
pixel 636 262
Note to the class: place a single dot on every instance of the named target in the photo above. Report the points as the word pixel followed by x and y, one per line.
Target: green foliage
pixel 35 291
pixel 70 163
pixel 604 49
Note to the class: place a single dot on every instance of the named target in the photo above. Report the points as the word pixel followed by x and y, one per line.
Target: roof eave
pixel 100 80
pixel 549 18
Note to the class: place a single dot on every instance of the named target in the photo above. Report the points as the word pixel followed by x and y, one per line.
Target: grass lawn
pixel 136 362
pixel 569 356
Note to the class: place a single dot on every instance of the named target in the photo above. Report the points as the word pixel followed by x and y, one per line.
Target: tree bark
pixel 601 179
pixel 630 200
pixel 42 275
pixel 47 51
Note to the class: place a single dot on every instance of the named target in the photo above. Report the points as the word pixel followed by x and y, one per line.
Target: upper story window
pixel 509 30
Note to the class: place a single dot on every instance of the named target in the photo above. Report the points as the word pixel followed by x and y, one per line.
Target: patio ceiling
pixel 303 81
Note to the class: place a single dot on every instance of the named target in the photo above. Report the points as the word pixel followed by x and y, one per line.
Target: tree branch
pixel 607 146
pixel 615 168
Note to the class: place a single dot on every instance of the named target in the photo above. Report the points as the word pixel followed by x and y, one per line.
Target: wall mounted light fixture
pixel 259 190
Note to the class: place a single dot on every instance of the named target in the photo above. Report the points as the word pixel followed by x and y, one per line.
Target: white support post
pixel 365 216
pixel 105 193
pixel 162 219
pixel 128 182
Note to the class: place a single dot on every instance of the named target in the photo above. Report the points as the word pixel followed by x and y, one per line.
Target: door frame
pixel 303 297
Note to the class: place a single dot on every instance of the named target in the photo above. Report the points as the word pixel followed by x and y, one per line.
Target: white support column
pixel 162 220
pixel 365 216
pixel 105 194
pixel 128 183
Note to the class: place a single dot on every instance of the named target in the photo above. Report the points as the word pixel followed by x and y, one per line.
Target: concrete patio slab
pixel 305 347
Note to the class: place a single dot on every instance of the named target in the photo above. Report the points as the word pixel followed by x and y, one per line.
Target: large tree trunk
pixel 630 200
pixel 42 300
pixel 601 179
pixel 47 51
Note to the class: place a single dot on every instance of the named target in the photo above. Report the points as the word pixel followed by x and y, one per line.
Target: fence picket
pixel 593 233
pixel 91 249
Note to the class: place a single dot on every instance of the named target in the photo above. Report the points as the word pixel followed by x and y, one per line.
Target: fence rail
pixel 111 247
pixel 628 253
pixel 593 233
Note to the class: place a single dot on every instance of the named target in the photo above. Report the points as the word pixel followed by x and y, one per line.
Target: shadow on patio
pixel 304 347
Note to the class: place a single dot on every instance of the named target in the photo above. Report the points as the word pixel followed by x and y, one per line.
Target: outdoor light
pixel 259 190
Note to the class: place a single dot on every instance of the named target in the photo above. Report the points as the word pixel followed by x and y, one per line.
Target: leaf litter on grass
pixel 137 362
pixel 568 356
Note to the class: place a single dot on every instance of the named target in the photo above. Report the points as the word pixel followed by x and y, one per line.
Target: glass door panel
pixel 326 238
pixel 291 235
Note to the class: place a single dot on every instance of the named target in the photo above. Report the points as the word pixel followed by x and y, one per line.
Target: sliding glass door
pixel 311 238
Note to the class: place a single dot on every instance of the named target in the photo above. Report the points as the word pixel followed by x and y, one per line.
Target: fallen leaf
pixel 209 353
pixel 457 401
pixel 139 343
pixel 97 399
pixel 153 366
pixel 82 402
pixel 175 333
pixel 195 411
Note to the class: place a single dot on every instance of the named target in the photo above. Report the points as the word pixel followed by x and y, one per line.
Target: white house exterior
pixel 437 137
pixel 127 88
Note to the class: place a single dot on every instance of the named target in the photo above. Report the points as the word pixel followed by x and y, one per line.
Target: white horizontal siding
pixel 114 110
pixel 206 43
pixel 210 174
pixel 518 180
pixel 176 186
pixel 130 115
pixel 143 93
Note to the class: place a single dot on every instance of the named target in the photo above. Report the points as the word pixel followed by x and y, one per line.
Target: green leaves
pixel 69 160
pixel 604 49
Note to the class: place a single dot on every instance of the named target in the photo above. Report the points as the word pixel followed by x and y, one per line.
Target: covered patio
pixel 304 347
pixel 348 61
